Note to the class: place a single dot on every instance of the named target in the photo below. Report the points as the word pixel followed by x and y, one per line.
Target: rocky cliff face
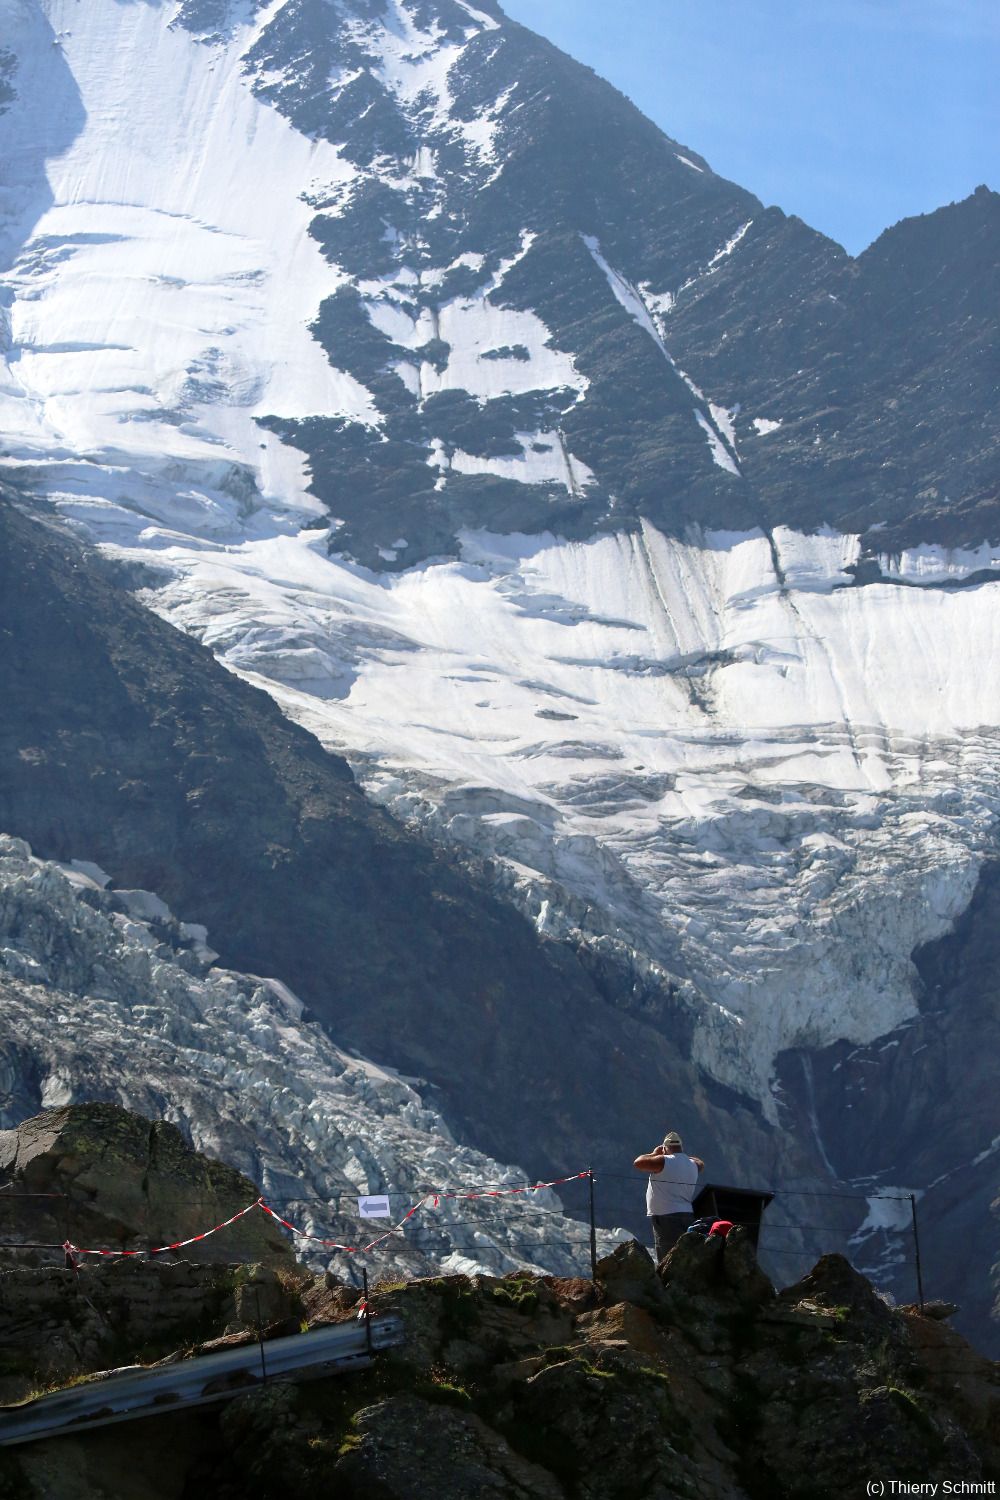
pixel 628 539
pixel 694 1381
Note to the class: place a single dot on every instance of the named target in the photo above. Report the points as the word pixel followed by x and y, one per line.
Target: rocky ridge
pixel 695 1380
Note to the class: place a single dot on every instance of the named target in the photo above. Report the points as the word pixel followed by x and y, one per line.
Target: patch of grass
pixel 444 1392
pixel 840 1313
pixel 523 1299
pixel 908 1403
pixel 66 1383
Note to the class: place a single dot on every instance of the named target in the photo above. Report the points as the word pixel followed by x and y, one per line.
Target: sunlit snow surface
pixel 712 752
pixel 738 776
pixel 163 294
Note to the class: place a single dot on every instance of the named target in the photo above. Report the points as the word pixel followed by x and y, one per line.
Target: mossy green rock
pixel 124 1182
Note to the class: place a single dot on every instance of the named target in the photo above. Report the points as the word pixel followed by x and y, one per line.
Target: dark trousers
pixel 667 1230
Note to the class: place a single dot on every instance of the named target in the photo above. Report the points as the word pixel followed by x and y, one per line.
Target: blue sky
pixel 851 113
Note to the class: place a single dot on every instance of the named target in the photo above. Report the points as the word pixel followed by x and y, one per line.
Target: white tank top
pixel 672 1190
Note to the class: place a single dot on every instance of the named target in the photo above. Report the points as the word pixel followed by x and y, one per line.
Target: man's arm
pixel 698 1163
pixel 651 1161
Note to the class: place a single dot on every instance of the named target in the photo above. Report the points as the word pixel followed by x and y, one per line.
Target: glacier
pixel 105 995
pixel 710 751
pixel 705 750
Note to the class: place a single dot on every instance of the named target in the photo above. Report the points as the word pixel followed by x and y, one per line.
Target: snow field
pixel 162 300
pixel 665 739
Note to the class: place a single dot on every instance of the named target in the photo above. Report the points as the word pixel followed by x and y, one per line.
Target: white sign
pixel 374 1208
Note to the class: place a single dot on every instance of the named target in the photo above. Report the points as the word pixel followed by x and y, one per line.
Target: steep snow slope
pixel 162 300
pixel 106 995
pixel 705 750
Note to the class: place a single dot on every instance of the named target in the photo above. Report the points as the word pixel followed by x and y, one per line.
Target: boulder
pixel 835 1286
pixel 412 1449
pixel 694 1264
pixel 120 1181
pixel 628 1275
pixel 741 1270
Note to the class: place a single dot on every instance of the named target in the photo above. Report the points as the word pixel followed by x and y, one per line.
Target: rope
pixel 162 1249
pixel 432 1198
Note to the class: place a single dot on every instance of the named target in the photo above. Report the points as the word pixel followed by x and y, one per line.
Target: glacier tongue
pixel 106 996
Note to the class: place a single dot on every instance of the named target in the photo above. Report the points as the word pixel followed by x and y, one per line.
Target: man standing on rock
pixel 673 1179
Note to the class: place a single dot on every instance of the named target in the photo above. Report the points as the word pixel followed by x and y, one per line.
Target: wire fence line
pixel 776 1192
pixel 502 1212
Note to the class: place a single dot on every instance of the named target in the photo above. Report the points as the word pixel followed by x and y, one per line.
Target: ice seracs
pixel 105 995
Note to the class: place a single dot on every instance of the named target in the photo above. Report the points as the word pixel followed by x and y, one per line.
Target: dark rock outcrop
pixel 104 1178
pixel 835 1286
pixel 628 1275
pixel 526 1389
pixel 420 1450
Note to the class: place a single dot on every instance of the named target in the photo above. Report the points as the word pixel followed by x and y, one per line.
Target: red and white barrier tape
pixel 434 1199
pixel 529 1187
pixel 162 1249
pixel 336 1244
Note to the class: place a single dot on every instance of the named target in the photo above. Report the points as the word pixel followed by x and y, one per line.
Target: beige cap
pixel 672 1139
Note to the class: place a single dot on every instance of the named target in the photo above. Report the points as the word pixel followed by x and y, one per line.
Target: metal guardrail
pixel 125 1395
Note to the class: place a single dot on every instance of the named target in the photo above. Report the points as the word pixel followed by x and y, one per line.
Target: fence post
pixel 260 1336
pixel 368 1311
pixel 593 1229
pixel 916 1251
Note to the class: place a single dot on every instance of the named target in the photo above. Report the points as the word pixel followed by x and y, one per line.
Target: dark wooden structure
pixel 742 1205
